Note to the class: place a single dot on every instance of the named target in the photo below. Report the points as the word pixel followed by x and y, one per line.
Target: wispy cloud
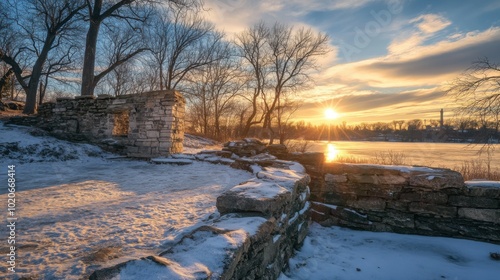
pixel 420 103
pixel 235 15
pixel 425 65
pixel 397 86
pixel 401 71
pixel 422 28
pixel 431 23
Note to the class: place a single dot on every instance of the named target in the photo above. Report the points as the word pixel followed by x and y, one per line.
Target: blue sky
pixel 390 59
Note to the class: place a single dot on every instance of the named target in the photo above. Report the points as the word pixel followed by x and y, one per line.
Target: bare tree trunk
pixel 161 77
pixel 12 88
pixel 90 54
pixel 42 93
pixel 6 79
pixel 249 122
pixel 31 104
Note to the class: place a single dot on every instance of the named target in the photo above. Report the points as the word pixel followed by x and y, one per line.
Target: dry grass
pixel 384 158
pixel 298 146
pixel 352 159
pixel 478 169
pixel 470 169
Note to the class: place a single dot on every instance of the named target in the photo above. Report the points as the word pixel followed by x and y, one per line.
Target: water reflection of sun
pixel 331 152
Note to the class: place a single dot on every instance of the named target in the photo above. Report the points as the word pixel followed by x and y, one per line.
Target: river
pixel 449 155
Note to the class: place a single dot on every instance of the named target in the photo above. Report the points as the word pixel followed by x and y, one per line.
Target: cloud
pixel 403 45
pixel 431 23
pixel 415 55
pixel 442 59
pixel 425 65
pixel 235 15
pixel 421 103
pixel 396 86
pixel 426 25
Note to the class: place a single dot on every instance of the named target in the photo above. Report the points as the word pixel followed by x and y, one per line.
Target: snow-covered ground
pixel 194 144
pixel 340 253
pixel 79 211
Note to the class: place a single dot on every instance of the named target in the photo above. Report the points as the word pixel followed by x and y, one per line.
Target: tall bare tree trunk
pixel 90 53
pixel 31 104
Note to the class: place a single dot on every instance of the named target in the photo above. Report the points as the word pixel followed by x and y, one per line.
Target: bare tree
pixel 43 24
pixel 214 88
pixel 124 79
pixel 292 56
pixel 181 42
pixel 280 58
pixel 60 62
pixel 477 91
pixel 133 12
pixel 10 46
pixel 252 48
pixel 284 112
pixel 6 75
pixel 121 46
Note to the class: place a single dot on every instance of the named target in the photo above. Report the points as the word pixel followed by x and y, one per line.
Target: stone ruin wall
pixel 147 125
pixel 410 200
pixel 275 204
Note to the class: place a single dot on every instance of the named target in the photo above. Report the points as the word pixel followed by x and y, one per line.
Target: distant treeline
pixel 417 130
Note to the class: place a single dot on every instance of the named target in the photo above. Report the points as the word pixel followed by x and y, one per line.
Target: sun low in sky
pixel 391 60
pixel 331 114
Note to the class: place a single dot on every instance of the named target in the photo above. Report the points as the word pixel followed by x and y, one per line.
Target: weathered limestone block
pixel 440 178
pixel 397 205
pixel 473 201
pixel 399 219
pixel 485 215
pixel 262 197
pixel 341 188
pixel 330 178
pixel 152 134
pixel 350 215
pixel 390 179
pixel 277 150
pixel 363 178
pixel 428 197
pixel 483 189
pixel 387 179
pixel 308 159
pixel 368 203
pixel 387 192
pixel 436 210
pixel 365 169
pixel 336 198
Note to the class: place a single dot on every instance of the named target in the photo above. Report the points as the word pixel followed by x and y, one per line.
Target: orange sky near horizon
pixel 390 59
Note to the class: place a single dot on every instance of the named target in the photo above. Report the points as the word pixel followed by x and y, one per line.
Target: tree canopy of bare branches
pixel 213 89
pixel 180 42
pixel 280 59
pixel 41 26
pixel 477 91
pixel 134 13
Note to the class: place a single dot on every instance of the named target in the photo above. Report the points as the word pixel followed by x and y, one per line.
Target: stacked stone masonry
pixel 261 223
pixel 412 200
pixel 148 124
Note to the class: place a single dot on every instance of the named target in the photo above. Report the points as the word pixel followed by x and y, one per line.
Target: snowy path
pixel 343 254
pixel 111 210
pixel 79 215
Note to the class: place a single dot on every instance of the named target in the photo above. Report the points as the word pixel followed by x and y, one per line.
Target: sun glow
pixel 331 153
pixel 331 114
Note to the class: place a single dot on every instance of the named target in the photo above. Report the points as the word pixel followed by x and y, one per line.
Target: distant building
pixel 441 120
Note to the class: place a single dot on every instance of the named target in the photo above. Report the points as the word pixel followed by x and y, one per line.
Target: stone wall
pixel 413 200
pixel 261 222
pixel 140 125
